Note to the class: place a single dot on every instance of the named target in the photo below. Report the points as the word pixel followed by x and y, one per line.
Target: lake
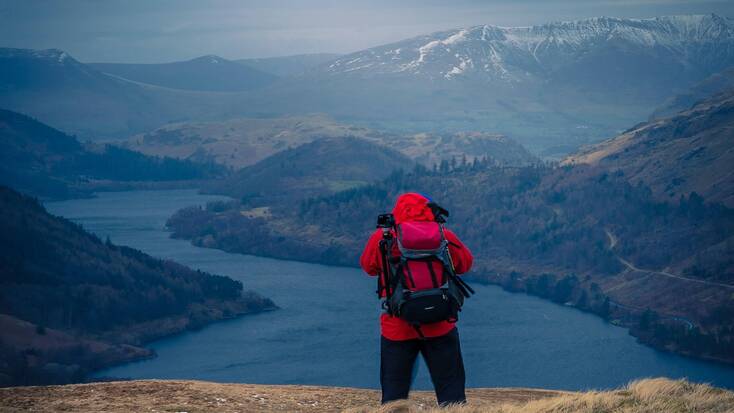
pixel 327 331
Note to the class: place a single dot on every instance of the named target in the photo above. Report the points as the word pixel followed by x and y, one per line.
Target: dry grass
pixel 644 396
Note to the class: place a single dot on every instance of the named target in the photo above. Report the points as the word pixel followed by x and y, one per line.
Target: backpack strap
pixel 418 330
pixel 434 279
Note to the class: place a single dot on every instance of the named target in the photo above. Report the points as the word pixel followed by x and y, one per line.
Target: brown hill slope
pixel 652 395
pixel 692 151
pixel 321 167
pixel 242 142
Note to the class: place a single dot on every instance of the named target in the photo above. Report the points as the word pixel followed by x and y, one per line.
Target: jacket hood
pixel 412 206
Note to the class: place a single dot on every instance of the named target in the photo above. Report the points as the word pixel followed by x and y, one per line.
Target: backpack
pixel 422 286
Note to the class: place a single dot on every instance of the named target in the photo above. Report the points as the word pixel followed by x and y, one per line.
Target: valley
pixel 544 229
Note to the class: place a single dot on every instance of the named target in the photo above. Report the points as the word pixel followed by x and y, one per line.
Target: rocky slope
pixel 645 396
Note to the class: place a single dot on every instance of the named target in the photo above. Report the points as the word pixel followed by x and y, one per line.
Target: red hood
pixel 412 207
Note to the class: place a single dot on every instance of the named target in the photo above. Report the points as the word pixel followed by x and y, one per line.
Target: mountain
pixel 712 85
pixel 676 156
pixel 288 65
pixel 566 51
pixel 551 87
pixel 206 73
pixel 71 303
pixel 55 88
pixel 241 142
pixel 43 161
pixel 324 166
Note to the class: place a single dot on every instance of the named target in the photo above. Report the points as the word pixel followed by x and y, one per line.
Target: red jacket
pixel 412 207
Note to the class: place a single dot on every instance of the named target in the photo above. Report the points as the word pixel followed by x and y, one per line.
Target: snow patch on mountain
pixel 514 53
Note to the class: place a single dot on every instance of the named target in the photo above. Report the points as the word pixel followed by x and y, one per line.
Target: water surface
pixel 327 332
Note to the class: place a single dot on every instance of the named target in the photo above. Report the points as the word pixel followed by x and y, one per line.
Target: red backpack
pixel 420 285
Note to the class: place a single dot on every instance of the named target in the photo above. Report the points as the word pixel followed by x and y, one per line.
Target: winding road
pixel 629 265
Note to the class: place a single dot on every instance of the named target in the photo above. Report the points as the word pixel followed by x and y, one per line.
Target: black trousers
pixel 443 358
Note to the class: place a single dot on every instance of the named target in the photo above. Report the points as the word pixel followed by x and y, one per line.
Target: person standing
pixel 401 341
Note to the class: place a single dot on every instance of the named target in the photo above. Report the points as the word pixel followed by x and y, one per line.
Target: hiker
pixel 414 216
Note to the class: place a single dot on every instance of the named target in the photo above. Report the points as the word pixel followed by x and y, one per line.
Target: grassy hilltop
pixel 651 395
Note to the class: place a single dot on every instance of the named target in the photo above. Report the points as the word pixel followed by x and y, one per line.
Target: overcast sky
pixel 169 30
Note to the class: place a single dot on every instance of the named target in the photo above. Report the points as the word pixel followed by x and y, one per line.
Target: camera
pixel 439 213
pixel 385 221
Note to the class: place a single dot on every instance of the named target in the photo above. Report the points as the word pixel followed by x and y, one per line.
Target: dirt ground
pixel 199 396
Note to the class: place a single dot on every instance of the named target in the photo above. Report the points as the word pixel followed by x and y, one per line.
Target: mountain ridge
pixel 537 40
pixel 208 73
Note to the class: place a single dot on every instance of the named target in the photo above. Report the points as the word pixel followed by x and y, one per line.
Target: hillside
pixel 71 303
pixel 688 152
pixel 242 142
pixel 717 83
pixel 321 167
pixel 205 73
pixel 45 162
pixel 644 396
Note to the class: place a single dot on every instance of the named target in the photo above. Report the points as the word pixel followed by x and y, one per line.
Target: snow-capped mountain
pixel 515 54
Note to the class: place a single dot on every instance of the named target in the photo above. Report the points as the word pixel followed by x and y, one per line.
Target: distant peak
pixel 210 58
pixel 56 55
